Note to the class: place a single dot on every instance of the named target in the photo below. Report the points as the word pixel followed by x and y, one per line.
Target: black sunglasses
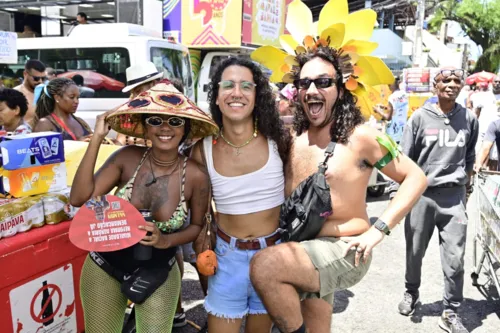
pixel 319 83
pixel 38 78
pixel 156 121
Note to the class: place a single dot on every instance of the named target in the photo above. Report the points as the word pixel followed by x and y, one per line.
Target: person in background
pixel 440 138
pixel 56 108
pixel 81 18
pixel 462 97
pixel 396 113
pixel 34 74
pixel 481 98
pixel 27 32
pixel 85 92
pixel 140 78
pixel 13 107
pixel 51 75
pixel 487 132
pixel 286 103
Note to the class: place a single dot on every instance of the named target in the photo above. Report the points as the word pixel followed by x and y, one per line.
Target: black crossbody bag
pixel 303 214
pixel 141 283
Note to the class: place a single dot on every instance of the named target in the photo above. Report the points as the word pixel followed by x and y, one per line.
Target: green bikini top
pixel 180 214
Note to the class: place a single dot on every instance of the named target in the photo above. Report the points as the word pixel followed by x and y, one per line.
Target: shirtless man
pixel 311 271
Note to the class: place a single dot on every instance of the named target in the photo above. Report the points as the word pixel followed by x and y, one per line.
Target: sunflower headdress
pixel 346 35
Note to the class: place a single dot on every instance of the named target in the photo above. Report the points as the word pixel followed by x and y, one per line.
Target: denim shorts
pixel 230 292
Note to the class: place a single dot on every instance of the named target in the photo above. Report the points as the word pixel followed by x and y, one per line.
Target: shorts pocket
pixel 221 247
pixel 354 275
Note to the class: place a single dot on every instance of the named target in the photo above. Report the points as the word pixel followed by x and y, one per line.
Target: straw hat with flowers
pixel 162 99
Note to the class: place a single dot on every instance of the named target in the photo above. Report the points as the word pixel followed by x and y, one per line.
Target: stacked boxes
pixel 33 164
pixel 34 172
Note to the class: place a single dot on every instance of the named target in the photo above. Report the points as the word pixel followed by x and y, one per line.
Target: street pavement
pixel 371 305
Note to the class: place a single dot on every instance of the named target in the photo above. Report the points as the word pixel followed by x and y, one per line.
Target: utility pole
pixel 419 25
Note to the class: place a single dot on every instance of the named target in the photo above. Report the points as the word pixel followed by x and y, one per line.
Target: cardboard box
pixel 30 150
pixel 35 180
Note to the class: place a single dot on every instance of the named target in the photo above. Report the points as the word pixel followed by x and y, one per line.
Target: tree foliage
pixel 480 20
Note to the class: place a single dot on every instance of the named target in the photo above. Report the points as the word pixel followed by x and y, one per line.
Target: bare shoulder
pixel 81 121
pixel 196 171
pixel 196 152
pixel 363 135
pixel 44 125
pixel 128 155
pixel 363 142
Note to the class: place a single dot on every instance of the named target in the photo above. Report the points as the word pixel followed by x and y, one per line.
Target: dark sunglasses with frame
pixel 38 78
pixel 157 121
pixel 319 83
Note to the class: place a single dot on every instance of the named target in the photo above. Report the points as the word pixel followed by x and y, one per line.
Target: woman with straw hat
pixel 140 78
pixel 158 179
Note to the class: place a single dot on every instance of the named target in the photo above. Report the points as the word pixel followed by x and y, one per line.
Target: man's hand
pixel 477 167
pixel 363 244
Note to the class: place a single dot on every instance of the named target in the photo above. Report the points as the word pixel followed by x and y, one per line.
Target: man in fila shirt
pixel 441 138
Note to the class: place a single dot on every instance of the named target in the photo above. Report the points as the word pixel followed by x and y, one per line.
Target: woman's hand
pixel 102 127
pixel 155 238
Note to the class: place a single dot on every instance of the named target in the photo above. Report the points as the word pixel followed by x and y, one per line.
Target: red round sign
pixel 106 223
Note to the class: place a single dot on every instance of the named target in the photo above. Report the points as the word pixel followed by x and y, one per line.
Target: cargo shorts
pixel 335 271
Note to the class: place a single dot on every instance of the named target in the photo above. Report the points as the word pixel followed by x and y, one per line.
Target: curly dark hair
pixel 345 114
pixel 13 99
pixel 269 122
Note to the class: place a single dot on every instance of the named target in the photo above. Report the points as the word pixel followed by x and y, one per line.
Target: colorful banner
pixel 195 56
pixel 416 101
pixel 213 23
pixel 264 21
pixel 172 20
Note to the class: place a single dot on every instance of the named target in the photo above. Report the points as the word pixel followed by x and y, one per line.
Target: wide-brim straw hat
pixel 162 99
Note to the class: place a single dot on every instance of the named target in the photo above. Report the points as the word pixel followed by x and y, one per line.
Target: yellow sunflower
pixel 349 34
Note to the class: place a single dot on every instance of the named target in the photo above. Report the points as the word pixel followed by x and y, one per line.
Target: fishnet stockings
pixel 104 304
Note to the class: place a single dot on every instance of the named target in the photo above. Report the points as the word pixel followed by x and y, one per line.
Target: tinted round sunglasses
pixel 156 121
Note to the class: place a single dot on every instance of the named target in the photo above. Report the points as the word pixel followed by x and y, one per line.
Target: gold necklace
pixel 162 163
pixel 254 135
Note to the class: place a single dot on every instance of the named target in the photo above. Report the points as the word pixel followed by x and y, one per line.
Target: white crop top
pixel 253 192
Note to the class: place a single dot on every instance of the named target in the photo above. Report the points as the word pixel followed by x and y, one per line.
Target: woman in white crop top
pixel 245 164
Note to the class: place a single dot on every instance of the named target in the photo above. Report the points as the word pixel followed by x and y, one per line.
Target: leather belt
pixel 447 185
pixel 248 244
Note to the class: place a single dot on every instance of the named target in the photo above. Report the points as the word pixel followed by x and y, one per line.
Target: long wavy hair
pixel 345 115
pixel 265 109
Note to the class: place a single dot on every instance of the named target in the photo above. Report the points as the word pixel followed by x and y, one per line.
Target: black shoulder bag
pixel 303 214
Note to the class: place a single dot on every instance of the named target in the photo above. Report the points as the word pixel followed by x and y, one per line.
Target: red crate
pixel 39 282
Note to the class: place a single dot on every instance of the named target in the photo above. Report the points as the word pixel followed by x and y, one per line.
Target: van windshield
pixel 174 64
pixel 103 69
